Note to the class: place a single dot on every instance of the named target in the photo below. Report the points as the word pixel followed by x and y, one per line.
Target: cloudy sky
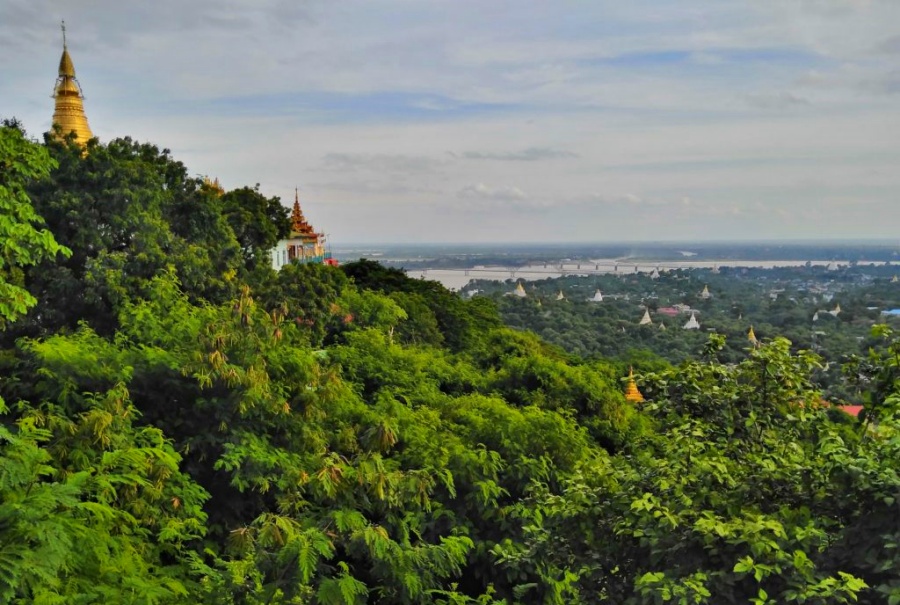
pixel 499 120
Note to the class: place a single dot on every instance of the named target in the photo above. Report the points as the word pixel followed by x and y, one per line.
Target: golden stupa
pixel 69 111
pixel 632 393
pixel 751 336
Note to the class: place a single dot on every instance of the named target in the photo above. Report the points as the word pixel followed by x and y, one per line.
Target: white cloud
pixel 484 192
pixel 379 162
pixel 532 154
pixel 781 100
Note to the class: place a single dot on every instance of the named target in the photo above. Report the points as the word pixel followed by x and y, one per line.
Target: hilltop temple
pixel 69 100
pixel 303 245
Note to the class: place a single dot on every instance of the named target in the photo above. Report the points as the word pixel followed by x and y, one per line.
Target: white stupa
pixel 519 291
pixel 692 323
pixel 705 294
pixel 662 326
pixel 598 297
pixel 645 320
pixel 836 311
pixel 560 296
pixel 816 316
pixel 655 274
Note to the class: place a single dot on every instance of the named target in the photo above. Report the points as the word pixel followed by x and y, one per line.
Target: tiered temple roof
pixel 300 228
pixel 69 101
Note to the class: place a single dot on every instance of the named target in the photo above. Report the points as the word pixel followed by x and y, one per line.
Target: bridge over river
pixel 457 278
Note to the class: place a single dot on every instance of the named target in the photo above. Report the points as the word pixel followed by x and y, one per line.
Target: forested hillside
pixel 181 424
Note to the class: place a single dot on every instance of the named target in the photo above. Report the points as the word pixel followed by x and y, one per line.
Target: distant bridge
pixel 611 266
pixel 585 268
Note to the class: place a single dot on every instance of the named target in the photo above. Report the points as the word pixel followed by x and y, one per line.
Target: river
pixel 456 279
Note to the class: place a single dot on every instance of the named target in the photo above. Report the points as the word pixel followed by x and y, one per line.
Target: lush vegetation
pixel 180 424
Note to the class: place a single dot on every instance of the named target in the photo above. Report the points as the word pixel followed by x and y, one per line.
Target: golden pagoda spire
pixel 214 186
pixel 751 336
pixel 632 393
pixel 69 111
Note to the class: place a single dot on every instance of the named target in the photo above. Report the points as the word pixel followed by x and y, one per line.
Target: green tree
pixel 258 222
pixel 748 493
pixel 22 241
pixel 127 211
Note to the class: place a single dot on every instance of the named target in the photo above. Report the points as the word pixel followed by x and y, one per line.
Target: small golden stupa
pixel 632 393
pixel 214 186
pixel 69 111
pixel 751 336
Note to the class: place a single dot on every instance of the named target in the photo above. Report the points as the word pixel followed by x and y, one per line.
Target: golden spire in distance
pixel 632 393
pixel 69 112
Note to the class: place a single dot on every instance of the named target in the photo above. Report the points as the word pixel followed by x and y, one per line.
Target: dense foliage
pixel 180 424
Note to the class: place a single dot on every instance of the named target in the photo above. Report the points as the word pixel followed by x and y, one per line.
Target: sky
pixel 460 121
